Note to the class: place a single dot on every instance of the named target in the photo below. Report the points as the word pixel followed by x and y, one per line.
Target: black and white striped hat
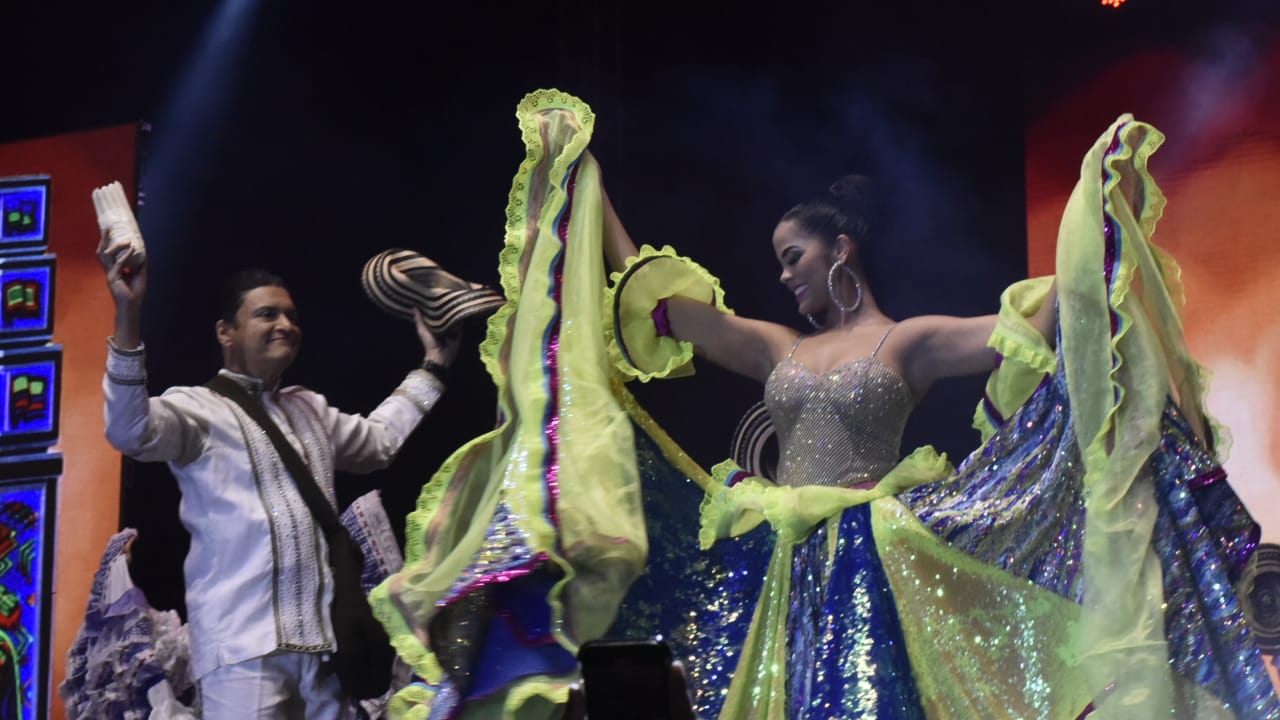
pixel 400 280
pixel 755 443
pixel 1261 583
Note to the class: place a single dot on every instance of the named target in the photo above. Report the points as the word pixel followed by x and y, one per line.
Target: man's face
pixel 265 337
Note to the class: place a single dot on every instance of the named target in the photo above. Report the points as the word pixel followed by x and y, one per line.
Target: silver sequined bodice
pixel 842 427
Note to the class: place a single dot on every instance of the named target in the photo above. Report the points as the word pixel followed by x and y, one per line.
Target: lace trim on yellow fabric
pixel 1027 356
pixel 407 643
pixel 1014 336
pixel 1171 272
pixel 635 348
pixel 509 259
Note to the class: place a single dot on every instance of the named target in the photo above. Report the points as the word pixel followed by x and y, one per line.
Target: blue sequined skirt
pixel 848 657
pixel 1018 504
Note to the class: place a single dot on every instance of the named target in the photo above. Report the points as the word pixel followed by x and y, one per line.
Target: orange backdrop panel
pixel 1220 169
pixel 89 491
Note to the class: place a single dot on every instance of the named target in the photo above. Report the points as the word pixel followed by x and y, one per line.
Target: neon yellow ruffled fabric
pixel 635 349
pixel 794 512
pixel 1125 355
pixel 1112 648
pixel 562 459
pixel 1118 379
pixel 1026 357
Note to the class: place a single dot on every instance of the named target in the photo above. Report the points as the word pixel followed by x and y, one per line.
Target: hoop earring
pixel 814 322
pixel 831 288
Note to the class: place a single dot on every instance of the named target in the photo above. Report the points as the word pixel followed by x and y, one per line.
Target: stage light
pixel 195 106
pixel 1113 3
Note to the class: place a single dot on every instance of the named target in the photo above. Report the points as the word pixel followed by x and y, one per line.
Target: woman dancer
pixel 1081 561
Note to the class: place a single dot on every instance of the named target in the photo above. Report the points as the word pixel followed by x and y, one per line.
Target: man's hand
pixel 439 349
pixel 116 215
pixel 126 279
pixel 127 282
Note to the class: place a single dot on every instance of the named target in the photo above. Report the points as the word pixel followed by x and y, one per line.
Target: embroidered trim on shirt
pixel 298 576
pixel 370 527
pixel 126 367
pixel 135 352
pixel 307 425
pixel 421 388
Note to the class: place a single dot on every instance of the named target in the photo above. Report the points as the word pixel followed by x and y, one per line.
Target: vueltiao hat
pixel 1261 601
pixel 399 280
pixel 755 443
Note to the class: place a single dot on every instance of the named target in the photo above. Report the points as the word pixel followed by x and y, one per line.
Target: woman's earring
pixel 814 322
pixel 831 288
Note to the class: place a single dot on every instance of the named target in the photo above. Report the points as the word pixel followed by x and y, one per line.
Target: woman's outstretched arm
pixel 1046 318
pixel 938 346
pixel 741 345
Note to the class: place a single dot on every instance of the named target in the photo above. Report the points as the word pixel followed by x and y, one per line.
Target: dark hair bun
pixel 857 187
pixel 855 196
pixel 847 207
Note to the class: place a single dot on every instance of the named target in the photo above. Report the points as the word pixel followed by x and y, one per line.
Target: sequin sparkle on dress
pixel 842 427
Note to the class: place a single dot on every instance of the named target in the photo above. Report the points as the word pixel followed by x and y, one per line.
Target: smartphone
pixel 627 679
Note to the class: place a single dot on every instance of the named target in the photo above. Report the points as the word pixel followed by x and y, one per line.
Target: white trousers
pixel 280 686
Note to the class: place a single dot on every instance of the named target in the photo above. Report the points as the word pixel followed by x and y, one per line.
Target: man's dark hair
pixel 239 285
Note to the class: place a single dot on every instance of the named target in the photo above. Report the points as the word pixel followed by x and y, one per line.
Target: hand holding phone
pixel 633 680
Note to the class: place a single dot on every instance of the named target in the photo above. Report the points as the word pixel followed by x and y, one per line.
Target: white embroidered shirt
pixel 257 573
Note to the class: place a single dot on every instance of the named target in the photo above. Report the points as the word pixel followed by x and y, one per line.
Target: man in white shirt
pixel 258 584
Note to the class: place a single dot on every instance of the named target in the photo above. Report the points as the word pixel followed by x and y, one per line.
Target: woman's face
pixel 805 262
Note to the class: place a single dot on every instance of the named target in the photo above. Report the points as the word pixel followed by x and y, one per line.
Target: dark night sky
pixel 313 135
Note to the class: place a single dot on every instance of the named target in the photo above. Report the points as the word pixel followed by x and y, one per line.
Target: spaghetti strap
pixel 883 337
pixel 795 345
